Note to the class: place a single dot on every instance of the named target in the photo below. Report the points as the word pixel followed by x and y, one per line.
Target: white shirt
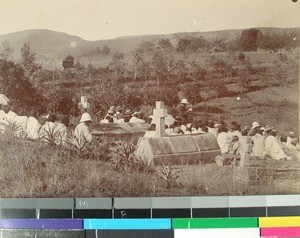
pixel 32 128
pixel 135 119
pixel 149 134
pixel 63 131
pixel 50 133
pixel 273 149
pixel 21 122
pixel 258 144
pixel 82 134
pixel 213 131
pixel 10 116
pixel 2 121
pixel 224 140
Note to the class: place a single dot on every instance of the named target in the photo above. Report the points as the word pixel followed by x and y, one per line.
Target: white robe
pixel 21 122
pixel 273 149
pixel 32 128
pixel 2 121
pixel 258 144
pixel 82 134
pixel 224 140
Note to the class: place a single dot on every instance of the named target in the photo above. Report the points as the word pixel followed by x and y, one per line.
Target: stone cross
pixel 246 147
pixel 159 114
pixel 84 102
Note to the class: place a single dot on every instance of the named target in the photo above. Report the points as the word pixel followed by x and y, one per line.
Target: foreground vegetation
pixel 37 169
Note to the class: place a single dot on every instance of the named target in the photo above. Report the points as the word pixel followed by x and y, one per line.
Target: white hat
pixel 184 101
pixel 254 125
pixel 86 117
pixel 269 128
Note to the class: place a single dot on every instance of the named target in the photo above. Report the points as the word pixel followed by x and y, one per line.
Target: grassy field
pixel 35 169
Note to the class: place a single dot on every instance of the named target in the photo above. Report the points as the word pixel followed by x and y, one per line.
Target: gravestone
pixel 178 149
pixel 251 172
pixel 159 114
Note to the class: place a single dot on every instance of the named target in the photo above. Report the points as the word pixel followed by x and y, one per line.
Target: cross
pixel 246 147
pixel 159 114
pixel 84 102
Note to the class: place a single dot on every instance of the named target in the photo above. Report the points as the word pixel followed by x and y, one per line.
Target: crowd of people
pixel 266 140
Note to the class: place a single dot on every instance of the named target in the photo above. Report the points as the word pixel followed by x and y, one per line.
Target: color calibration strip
pixel 175 228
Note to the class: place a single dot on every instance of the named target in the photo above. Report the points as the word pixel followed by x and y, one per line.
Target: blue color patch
pixel 127 224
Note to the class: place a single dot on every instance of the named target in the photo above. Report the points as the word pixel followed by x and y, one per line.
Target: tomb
pixel 254 174
pixel 179 149
pixel 130 132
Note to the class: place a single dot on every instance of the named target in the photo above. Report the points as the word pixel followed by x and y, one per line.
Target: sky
pixel 107 19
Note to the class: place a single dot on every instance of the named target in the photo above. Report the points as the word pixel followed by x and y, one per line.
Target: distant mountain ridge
pixel 56 45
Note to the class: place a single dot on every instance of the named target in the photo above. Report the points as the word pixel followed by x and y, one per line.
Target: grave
pixel 179 149
pixel 130 132
pixel 255 173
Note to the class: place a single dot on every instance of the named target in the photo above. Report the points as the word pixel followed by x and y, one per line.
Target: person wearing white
pixel 136 118
pixel 82 132
pixel 33 126
pixel 224 139
pixel 2 121
pixel 258 141
pixel 49 131
pixel 62 127
pixel 21 122
pixel 272 148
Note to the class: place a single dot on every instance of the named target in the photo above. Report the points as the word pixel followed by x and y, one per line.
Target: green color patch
pixel 214 223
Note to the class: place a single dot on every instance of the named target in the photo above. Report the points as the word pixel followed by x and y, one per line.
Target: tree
pixel 160 66
pixel 248 40
pixel 192 92
pixel 106 50
pixel 145 47
pixel 191 43
pixel 165 44
pixel 16 85
pixel 137 61
pixel 68 62
pixel 5 50
pixel 29 61
pixel 118 64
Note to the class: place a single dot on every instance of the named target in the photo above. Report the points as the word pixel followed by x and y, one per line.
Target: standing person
pixel 258 141
pixel 272 148
pixel 224 139
pixel 82 132
pixel 183 111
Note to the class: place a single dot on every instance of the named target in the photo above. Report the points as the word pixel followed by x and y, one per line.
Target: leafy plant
pixel 168 175
pixel 11 127
pixel 81 148
pixel 126 159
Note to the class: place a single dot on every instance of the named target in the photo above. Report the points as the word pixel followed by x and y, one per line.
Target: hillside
pixel 56 45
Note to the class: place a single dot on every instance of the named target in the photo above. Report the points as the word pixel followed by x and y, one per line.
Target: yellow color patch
pixel 279 221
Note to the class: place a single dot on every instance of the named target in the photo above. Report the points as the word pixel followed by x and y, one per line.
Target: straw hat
pixel 86 117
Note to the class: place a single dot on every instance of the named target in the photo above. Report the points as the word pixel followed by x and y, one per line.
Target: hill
pixel 53 45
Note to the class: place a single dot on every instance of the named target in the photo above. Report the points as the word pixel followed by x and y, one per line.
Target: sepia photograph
pixel 160 98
